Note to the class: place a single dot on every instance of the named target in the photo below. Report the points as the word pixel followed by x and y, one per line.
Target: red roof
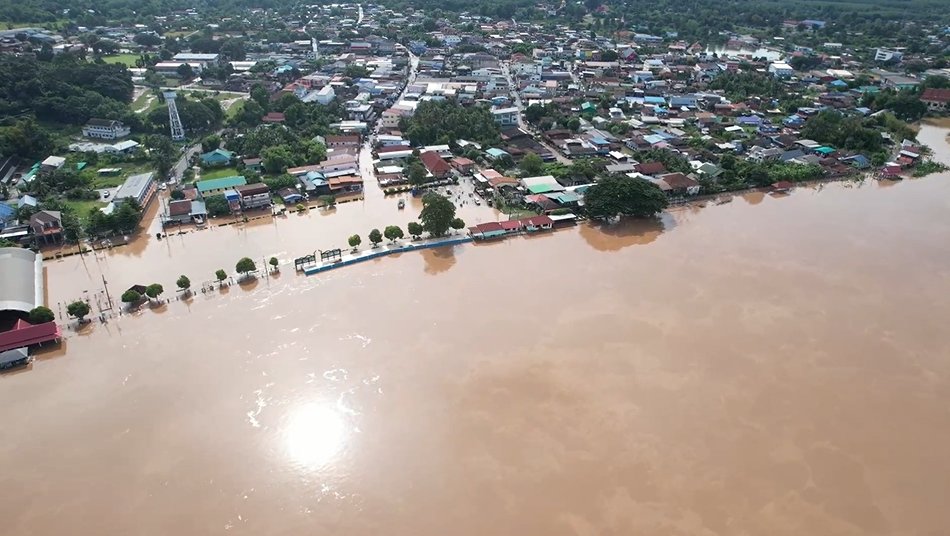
pixel 651 168
pixel 936 95
pixel 25 334
pixel 435 163
pixel 512 225
pixel 273 117
pixel 538 221
pixel 179 208
pixel 488 227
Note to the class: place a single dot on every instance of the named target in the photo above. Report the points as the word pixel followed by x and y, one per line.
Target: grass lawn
pixel 130 168
pixel 217 173
pixel 82 208
pixel 127 59
pixel 235 109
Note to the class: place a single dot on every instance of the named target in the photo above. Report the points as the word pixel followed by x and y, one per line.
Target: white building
pixel 781 69
pixel 204 59
pixel 105 129
pixel 505 116
pixel 883 54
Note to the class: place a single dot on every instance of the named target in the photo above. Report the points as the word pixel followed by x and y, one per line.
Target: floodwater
pixel 775 365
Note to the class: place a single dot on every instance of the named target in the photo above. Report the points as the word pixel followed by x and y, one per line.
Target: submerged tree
pixel 618 195
pixel 78 309
pixel 437 214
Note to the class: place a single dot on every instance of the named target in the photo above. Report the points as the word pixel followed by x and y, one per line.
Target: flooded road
pixel 775 365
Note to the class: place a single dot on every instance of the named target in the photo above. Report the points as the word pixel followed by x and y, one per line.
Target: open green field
pixel 235 109
pixel 128 169
pixel 217 173
pixel 82 208
pixel 127 59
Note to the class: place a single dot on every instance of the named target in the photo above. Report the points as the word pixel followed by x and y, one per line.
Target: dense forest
pixel 66 89
pixel 448 122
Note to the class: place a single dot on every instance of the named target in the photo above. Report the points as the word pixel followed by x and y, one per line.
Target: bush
pixel 41 315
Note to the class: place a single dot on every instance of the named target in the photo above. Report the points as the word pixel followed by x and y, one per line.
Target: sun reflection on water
pixel 314 435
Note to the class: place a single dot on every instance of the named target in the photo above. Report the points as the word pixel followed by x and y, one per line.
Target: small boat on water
pixel 402 203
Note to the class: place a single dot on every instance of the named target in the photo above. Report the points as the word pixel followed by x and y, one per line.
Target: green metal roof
pixel 221 183
pixel 544 188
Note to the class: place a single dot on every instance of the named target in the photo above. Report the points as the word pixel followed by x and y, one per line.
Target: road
pixel 516 98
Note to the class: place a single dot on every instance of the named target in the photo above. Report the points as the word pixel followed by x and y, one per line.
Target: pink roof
pixel 488 227
pixel 25 334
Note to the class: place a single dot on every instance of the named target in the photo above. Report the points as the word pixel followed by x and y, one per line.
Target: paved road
pixel 516 98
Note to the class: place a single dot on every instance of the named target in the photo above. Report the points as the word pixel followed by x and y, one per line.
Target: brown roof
pixel 252 189
pixel 179 208
pixel 651 168
pixel 342 139
pixel 936 95
pixel 435 163
pixel 678 181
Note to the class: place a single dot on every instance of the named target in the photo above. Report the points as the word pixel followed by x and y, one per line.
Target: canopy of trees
pixel 447 122
pixel 437 214
pixel 619 195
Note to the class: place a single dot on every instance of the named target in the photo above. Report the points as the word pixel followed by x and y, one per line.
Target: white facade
pixel 105 129
pixel 781 69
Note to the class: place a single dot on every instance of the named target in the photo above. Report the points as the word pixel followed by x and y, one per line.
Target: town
pixel 189 120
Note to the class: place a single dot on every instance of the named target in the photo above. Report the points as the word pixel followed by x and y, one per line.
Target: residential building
pixel 47 226
pixel 106 129
pixel 436 165
pixel 505 117
pixel 936 99
pixel 218 186
pixel 217 158
pixel 140 188
pixel 887 55
pixel 781 70
pixel 254 196
pixel 185 211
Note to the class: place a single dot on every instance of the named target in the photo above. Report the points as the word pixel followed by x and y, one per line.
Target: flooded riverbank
pixel 775 365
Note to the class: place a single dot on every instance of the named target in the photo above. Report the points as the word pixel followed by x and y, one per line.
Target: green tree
pixel 437 214
pixel 457 223
pixel 327 201
pixel 220 275
pixel 277 159
pixel 78 309
pixel 185 72
pixel 375 237
pixel 260 95
pixel 415 229
pixel 532 164
pixel 245 266
pixel 210 143
pixel 131 296
pixel 217 205
pixel 619 195
pixel 183 283
pixel 154 290
pixel 417 173
pixel 41 315
pixel 354 241
pixel 274 262
pixel 393 233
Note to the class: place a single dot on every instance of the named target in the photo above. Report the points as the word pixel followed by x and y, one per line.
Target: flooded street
pixel 775 365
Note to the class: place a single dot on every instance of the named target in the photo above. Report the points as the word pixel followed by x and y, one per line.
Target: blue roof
pixel 6 211
pixel 496 152
pixel 654 139
pixel 654 100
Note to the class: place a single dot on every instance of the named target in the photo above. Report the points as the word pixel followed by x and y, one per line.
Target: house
pixel 254 195
pixel 936 99
pixel 47 226
pixel 505 116
pixel 105 129
pixel 680 184
pixel 336 142
pixel 253 164
pixel 205 60
pixel 184 211
pixel 7 214
pixel 139 188
pixel 492 229
pixel 780 69
pixel 273 117
pixel 463 165
pixel 218 186
pixel 217 158
pixel 52 162
pixel 290 195
pixel 436 165
pixel 537 223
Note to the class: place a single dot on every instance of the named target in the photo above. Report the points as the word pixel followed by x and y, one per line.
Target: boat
pixel 402 203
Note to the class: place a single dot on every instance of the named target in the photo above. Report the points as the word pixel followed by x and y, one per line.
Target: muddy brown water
pixel 775 365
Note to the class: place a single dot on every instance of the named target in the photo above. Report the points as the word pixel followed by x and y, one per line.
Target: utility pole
pixel 106 287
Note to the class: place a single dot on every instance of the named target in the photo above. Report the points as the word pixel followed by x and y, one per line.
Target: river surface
pixel 775 365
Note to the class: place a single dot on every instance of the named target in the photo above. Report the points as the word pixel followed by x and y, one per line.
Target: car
pixel 106 195
pixel 163 186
